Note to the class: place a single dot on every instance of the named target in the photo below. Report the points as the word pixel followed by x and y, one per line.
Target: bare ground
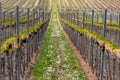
pixel 50 5
pixel 58 4
pixel 26 3
pixel 75 4
pixel 67 4
pixel 35 4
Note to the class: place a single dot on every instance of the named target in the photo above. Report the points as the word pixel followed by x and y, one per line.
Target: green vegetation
pixel 23 35
pixel 13 22
pixel 96 37
pixel 99 24
pixel 56 60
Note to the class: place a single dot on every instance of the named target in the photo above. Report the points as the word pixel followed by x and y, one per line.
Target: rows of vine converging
pixel 88 4
pixel 8 18
pixel 97 39
pixel 21 33
pixel 9 5
pixel 94 21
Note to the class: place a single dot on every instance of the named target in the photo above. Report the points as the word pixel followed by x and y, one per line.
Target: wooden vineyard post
pixel 18 41
pixel 102 50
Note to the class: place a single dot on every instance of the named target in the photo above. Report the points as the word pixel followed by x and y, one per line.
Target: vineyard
pixel 59 40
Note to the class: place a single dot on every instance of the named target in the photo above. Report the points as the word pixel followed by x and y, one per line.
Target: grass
pixel 56 59
pixel 44 60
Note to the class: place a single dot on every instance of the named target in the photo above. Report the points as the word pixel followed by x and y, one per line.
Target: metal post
pixel 111 19
pixel 74 19
pixel 18 41
pixel 28 18
pixel 39 15
pixel 97 17
pixel 102 50
pixel 110 24
pixel 91 48
pixel 104 23
pixel 28 26
pixel 33 17
pixel 65 15
pixel 4 13
pixel 68 16
pixel 102 64
pixel 17 22
pixel 43 14
pixel 0 37
pixel 92 21
pixel 78 18
pixel 83 19
pixel 3 35
pixel 0 22
pixel 10 23
pixel 119 19
pixel 71 17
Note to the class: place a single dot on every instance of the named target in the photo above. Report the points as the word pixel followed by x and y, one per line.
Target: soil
pixel 75 4
pixel 26 3
pixel 50 5
pixel 67 4
pixel 35 4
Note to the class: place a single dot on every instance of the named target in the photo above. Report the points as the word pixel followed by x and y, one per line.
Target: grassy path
pixel 56 60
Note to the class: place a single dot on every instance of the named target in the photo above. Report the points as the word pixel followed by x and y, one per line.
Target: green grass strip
pixel 56 54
